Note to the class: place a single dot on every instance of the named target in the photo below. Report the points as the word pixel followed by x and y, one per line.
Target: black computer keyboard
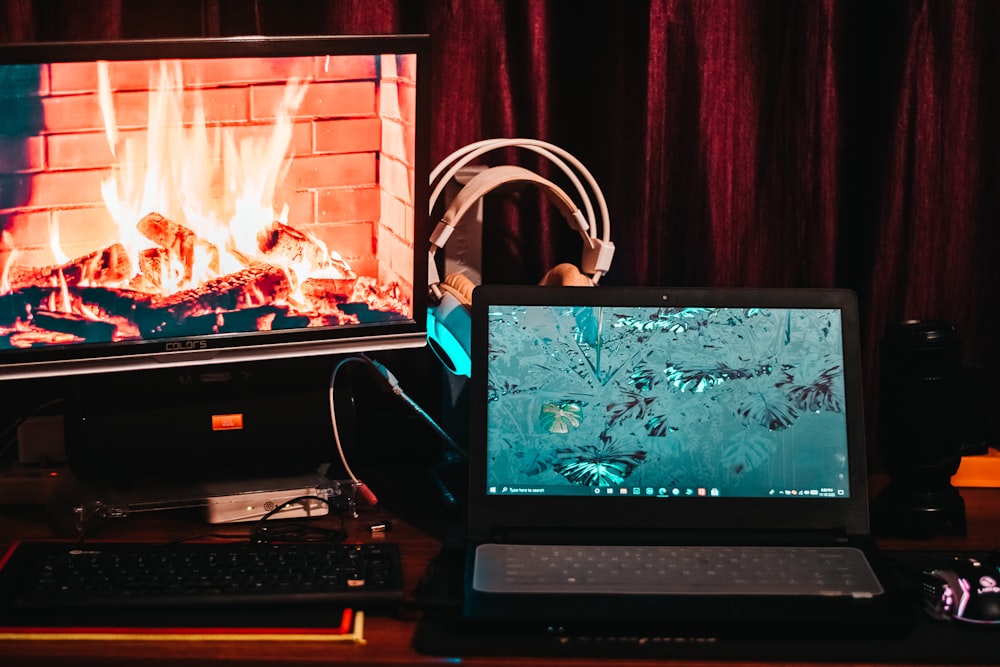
pixel 62 575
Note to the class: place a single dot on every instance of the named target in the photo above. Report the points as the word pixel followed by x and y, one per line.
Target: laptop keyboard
pixel 65 575
pixel 674 570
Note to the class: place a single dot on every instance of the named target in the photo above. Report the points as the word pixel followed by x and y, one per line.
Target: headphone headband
pixel 598 251
pixel 486 181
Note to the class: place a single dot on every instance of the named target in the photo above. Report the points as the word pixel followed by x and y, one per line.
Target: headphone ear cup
pixel 565 274
pixel 449 324
pixel 449 332
pixel 460 286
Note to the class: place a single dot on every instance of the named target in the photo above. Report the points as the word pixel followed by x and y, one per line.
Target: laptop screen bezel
pixel 493 515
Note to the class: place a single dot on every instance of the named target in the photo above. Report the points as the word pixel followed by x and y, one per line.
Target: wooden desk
pixel 388 639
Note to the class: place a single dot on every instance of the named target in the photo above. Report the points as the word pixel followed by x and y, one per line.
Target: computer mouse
pixel 965 589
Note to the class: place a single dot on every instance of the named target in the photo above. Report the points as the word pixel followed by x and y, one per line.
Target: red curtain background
pixel 739 142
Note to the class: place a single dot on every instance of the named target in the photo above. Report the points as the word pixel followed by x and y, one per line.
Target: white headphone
pixel 448 318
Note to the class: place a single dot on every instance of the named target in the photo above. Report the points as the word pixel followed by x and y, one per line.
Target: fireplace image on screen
pixel 181 201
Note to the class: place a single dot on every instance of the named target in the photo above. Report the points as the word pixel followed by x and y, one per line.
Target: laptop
pixel 621 423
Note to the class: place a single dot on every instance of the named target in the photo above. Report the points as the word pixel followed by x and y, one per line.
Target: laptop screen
pixel 687 407
pixel 664 401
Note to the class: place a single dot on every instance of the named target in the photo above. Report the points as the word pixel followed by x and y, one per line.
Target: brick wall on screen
pixel 397 100
pixel 342 177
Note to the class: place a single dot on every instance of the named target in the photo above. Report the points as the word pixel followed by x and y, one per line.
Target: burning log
pixel 262 318
pixel 109 302
pixel 17 306
pixel 108 266
pixel 112 302
pixel 364 314
pixel 287 243
pixel 178 240
pixel 33 337
pixel 80 327
pixel 322 292
pixel 282 244
pixel 64 304
pixel 154 264
pixel 250 287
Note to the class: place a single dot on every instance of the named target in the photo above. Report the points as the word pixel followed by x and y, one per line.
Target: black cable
pixel 297 531
pixel 390 383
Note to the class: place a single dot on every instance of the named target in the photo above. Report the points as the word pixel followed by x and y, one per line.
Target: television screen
pixel 174 202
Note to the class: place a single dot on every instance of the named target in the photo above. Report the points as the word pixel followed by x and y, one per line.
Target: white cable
pixel 333 420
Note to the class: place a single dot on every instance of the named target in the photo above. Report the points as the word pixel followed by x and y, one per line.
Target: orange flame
pixel 224 189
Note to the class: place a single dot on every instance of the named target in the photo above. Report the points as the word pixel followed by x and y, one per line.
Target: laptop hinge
pixel 625 536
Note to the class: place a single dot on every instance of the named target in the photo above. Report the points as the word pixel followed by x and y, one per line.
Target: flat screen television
pixel 195 201
pixel 185 224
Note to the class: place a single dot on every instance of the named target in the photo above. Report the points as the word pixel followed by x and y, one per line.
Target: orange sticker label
pixel 227 422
